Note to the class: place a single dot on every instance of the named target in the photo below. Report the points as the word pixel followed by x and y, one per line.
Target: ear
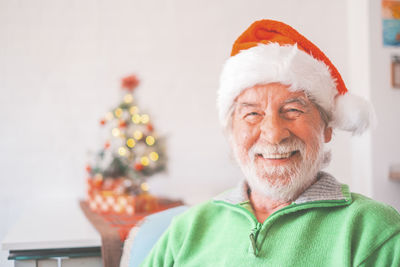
pixel 327 134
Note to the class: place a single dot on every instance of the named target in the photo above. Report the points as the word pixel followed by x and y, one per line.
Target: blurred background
pixel 60 68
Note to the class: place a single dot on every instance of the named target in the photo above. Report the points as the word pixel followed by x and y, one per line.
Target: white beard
pixel 284 183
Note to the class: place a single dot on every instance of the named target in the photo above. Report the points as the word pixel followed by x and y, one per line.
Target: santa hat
pixel 271 51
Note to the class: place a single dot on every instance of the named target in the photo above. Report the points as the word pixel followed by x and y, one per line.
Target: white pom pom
pixel 353 113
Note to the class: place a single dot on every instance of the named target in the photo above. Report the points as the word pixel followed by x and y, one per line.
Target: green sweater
pixel 326 226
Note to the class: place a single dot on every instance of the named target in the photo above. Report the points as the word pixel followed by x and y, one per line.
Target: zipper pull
pixel 253 237
pixel 253 244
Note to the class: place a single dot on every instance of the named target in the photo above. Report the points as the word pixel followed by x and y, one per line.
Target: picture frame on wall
pixel 394 172
pixel 395 71
pixel 391 22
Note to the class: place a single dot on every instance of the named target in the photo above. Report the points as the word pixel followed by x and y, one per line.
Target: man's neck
pixel 263 206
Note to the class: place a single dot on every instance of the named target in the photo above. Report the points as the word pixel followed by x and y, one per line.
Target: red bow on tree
pixel 130 82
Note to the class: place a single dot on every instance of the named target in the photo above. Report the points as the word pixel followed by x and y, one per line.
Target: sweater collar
pixel 326 188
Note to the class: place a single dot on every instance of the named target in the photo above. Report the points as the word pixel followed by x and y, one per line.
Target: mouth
pixel 277 156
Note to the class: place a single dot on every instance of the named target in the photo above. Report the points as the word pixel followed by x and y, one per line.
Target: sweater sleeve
pixel 388 254
pixel 161 254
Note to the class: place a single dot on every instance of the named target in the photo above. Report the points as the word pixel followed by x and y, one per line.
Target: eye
pixel 292 113
pixel 253 117
pixel 294 110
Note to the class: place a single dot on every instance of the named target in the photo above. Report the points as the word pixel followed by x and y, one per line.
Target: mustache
pixel 293 144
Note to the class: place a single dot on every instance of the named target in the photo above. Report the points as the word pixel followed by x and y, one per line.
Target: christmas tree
pixel 133 152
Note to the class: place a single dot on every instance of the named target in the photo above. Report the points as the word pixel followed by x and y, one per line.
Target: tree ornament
pixel 136 118
pixel 109 116
pixel 129 83
pixel 144 118
pixel 128 98
pixel 88 168
pixel 122 124
pixel 153 156
pixel 138 166
pixel 130 142
pixel 106 145
pixel 138 135
pixel 150 140
pixel 118 112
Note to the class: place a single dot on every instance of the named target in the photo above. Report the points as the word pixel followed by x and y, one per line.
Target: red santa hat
pixel 271 51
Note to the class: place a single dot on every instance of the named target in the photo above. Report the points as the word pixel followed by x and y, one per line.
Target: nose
pixel 273 129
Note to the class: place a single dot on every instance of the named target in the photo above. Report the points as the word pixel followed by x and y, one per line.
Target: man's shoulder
pixel 204 210
pixel 374 226
pixel 369 212
pixel 363 204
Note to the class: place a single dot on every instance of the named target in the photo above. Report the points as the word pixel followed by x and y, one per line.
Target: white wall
pixel 359 83
pixel 60 65
pixel 385 138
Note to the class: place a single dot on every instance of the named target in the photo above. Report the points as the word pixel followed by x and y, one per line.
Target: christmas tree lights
pixel 132 153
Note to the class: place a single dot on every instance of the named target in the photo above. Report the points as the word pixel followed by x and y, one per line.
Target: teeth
pixel 276 156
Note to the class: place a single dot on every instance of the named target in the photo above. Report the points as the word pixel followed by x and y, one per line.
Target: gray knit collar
pixel 326 188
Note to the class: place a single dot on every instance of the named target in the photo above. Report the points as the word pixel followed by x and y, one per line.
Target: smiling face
pixel 277 137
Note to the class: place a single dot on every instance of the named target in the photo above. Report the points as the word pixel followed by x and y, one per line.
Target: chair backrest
pixel 145 234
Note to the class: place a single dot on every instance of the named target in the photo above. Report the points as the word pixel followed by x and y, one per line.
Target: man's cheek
pixel 246 138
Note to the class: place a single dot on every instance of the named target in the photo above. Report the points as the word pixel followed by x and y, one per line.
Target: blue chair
pixel 142 237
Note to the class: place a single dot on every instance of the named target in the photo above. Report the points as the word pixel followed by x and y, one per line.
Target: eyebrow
pixel 299 100
pixel 248 104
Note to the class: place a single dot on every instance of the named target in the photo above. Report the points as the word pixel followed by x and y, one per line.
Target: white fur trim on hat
pixel 353 113
pixel 267 63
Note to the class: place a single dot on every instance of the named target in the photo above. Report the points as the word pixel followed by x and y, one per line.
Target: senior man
pixel 279 99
